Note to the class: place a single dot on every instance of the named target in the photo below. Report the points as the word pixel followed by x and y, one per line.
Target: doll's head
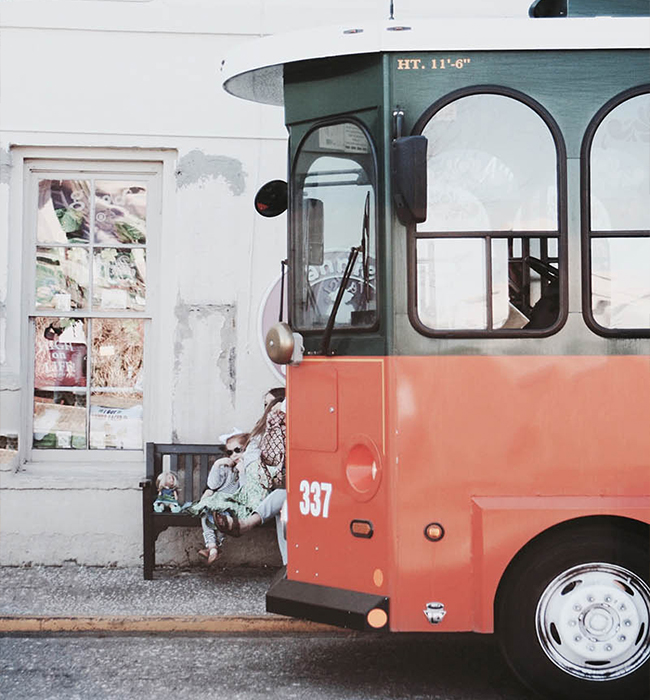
pixel 167 480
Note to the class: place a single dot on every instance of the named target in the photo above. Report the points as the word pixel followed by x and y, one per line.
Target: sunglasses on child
pixel 237 450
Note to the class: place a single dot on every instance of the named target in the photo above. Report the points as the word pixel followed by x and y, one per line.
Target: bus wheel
pixel 573 615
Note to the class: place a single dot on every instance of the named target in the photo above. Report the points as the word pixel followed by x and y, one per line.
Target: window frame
pixel 33 164
pixel 293 218
pixel 560 234
pixel 587 234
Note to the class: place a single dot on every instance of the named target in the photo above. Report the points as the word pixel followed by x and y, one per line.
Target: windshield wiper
pixel 352 258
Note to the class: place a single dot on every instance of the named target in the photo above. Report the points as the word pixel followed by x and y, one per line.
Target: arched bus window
pixel 616 216
pixel 333 209
pixel 490 257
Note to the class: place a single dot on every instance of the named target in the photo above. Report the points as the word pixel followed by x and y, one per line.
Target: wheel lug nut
pixel 592 647
pixel 608 598
pixel 577 638
pixel 622 607
pixel 608 647
pixel 572 623
pixel 628 623
pixel 590 598
pixel 622 638
pixel 577 607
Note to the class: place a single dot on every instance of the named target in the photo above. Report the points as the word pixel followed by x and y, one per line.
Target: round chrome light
pixel 280 343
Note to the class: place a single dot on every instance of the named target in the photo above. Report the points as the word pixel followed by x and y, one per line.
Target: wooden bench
pixel 191 463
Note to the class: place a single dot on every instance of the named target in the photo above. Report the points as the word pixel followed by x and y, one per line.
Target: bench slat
pixel 203 473
pixel 188 461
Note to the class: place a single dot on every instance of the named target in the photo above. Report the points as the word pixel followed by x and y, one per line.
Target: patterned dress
pixel 261 475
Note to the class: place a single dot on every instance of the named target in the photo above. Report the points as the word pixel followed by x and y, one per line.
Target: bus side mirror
pixel 409 175
pixel 313 224
pixel 271 199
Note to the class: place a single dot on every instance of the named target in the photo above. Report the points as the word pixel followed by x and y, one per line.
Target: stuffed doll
pixel 167 485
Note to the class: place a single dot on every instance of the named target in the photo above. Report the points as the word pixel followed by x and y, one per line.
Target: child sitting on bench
pixel 223 478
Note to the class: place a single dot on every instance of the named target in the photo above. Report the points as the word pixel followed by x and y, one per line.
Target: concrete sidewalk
pixel 72 598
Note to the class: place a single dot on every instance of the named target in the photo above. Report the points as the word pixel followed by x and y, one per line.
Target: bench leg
pixel 148 549
pixel 149 559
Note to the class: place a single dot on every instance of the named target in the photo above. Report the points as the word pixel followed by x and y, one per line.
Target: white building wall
pixel 119 78
pixel 111 78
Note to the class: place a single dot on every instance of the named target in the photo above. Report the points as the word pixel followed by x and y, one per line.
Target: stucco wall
pixel 111 78
pixel 117 78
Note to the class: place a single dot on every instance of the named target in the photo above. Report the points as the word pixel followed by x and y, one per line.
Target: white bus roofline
pixel 254 71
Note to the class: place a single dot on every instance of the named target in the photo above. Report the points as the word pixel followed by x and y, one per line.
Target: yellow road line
pixel 147 624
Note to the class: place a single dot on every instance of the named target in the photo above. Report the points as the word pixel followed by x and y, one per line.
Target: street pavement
pixel 72 598
pixel 71 632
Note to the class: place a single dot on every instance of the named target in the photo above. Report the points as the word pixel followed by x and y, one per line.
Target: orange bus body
pixel 495 449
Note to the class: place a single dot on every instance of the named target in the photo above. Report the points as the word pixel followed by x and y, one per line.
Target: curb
pixel 224 624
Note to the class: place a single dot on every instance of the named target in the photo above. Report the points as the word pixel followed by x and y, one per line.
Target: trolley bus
pixel 468 339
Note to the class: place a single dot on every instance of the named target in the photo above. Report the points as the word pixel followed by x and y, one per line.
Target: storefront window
pixel 89 311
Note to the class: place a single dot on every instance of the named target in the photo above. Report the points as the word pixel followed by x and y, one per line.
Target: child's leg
pixel 271 505
pixel 212 538
pixel 209 533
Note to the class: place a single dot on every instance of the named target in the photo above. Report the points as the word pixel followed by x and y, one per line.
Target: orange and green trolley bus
pixel 468 338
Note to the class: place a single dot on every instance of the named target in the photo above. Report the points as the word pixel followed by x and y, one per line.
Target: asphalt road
pixel 324 667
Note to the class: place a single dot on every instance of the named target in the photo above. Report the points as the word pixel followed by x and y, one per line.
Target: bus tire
pixel 573 613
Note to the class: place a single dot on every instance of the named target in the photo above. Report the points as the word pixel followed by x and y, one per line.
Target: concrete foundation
pixel 95 519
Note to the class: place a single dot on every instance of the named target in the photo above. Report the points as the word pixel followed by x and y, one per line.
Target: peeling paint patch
pixel 5 167
pixel 205 362
pixel 197 167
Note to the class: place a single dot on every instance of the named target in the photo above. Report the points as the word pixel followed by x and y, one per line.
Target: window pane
pixel 491 167
pixel 620 168
pixel 452 287
pixel 120 212
pixel 115 421
pixel 620 282
pixel 61 278
pixel 116 387
pixel 63 211
pixel 335 211
pixel 59 383
pixel 119 279
pixel 500 293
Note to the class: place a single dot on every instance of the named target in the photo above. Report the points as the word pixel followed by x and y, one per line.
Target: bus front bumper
pixel 332 606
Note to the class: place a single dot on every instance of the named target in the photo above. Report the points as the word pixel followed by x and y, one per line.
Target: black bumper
pixel 332 606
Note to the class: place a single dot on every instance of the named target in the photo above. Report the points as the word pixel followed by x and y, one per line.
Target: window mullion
pixel 488 271
pixel 89 340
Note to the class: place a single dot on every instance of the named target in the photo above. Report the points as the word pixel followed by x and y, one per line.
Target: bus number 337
pixel 315 498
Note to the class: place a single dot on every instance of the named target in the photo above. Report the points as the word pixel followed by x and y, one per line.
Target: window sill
pixel 65 476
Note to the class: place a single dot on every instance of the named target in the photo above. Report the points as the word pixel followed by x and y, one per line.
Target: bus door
pixel 336 417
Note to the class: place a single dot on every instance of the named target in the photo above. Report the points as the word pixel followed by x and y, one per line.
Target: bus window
pixel 488 257
pixel 334 186
pixel 619 212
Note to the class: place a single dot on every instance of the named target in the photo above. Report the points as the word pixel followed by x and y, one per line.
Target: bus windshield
pixel 334 186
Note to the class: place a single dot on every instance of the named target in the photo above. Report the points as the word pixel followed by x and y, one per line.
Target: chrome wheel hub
pixel 593 621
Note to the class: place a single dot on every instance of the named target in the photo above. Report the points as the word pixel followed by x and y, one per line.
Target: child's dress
pixel 259 477
pixel 244 501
